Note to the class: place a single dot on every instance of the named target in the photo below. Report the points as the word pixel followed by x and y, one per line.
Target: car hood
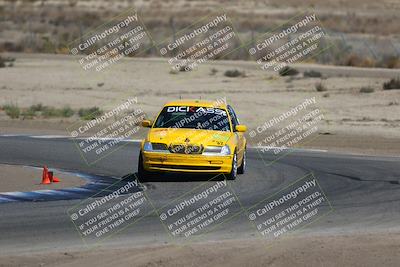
pixel 192 136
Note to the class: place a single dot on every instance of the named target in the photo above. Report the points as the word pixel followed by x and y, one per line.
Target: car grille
pixel 159 146
pixel 186 149
pixel 180 167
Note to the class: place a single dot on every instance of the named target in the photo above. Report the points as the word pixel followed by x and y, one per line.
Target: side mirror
pixel 147 123
pixel 241 128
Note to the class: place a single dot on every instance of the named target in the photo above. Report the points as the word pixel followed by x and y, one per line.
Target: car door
pixel 240 136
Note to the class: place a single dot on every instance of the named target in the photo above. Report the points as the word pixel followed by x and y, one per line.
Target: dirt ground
pixel 375 249
pixel 20 178
pixel 54 23
pixel 354 122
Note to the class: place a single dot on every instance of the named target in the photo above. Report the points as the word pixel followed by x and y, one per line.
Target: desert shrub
pixel 312 74
pixel 64 112
pixel 12 111
pixel 367 90
pixel 354 60
pixel 37 107
pixel 391 84
pixel 89 113
pixel 28 113
pixel 4 60
pixel 49 112
pixel 320 87
pixel 185 68
pixel 391 62
pixel 67 112
pixel 234 73
pixel 213 71
pixel 288 71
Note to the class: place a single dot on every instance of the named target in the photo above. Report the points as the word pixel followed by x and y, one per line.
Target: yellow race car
pixel 194 136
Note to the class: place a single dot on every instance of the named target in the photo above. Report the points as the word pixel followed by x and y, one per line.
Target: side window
pixel 232 114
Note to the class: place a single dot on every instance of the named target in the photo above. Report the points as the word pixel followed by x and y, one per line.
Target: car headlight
pixel 217 150
pixel 225 150
pixel 147 146
pixel 155 147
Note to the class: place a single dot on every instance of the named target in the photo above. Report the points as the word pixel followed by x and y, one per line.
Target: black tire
pixel 142 173
pixel 242 167
pixel 233 174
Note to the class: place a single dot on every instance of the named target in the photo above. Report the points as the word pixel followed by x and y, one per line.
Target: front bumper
pixel 171 162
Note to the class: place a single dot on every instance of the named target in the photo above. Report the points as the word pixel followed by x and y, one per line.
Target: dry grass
pixel 320 87
pixel 234 73
pixel 367 90
pixel 392 84
pixel 49 26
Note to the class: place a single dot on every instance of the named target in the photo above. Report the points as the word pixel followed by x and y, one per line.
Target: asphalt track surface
pixel 363 191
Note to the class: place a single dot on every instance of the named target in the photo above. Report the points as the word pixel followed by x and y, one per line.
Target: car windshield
pixel 207 118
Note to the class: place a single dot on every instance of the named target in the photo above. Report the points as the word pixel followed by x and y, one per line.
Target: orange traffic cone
pixel 53 179
pixel 45 176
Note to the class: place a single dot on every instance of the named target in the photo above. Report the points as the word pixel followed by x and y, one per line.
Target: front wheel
pixel 242 166
pixel 142 173
pixel 233 174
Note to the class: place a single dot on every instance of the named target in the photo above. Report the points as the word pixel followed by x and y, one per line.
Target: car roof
pixel 220 103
